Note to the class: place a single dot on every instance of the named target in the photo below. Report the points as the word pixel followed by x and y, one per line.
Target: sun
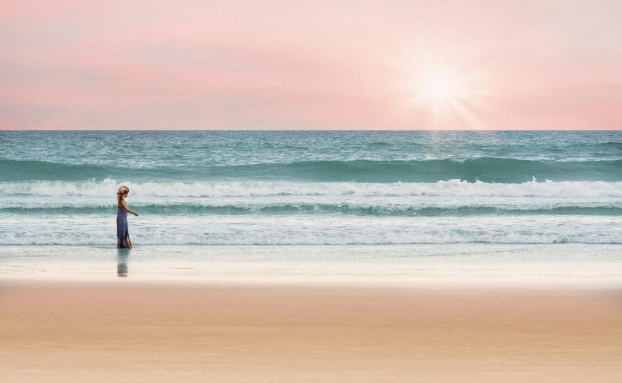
pixel 451 86
pixel 439 86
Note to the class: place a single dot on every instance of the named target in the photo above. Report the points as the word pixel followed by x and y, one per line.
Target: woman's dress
pixel 122 232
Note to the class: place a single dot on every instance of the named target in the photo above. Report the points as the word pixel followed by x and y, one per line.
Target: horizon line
pixel 311 130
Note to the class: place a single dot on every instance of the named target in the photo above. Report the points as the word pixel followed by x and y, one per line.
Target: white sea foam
pixel 314 230
pixel 316 204
pixel 453 188
pixel 308 213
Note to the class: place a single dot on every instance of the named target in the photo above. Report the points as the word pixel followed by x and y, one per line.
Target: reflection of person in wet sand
pixel 122 263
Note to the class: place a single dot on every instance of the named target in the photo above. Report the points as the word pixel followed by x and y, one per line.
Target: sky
pixel 340 64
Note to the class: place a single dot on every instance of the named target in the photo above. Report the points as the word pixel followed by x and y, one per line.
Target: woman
pixel 123 237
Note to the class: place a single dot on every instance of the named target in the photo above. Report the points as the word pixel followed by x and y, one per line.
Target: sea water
pixel 312 187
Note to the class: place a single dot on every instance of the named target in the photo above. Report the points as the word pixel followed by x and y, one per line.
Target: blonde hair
pixel 121 192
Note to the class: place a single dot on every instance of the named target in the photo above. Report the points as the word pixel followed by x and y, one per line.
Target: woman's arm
pixel 124 206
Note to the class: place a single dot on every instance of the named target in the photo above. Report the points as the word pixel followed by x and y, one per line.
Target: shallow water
pixel 563 265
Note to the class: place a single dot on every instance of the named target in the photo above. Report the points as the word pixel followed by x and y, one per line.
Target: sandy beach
pixel 149 332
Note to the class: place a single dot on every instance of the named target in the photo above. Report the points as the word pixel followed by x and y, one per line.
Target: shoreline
pixel 569 266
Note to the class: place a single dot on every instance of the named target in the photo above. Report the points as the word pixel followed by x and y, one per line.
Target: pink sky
pixel 349 64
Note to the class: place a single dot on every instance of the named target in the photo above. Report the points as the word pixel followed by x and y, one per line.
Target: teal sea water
pixel 312 187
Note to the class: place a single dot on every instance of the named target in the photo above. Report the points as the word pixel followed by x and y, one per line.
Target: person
pixel 123 236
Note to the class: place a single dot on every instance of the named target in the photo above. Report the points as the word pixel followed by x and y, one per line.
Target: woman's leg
pixel 127 240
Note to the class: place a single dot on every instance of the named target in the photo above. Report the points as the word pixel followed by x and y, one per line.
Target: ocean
pixel 312 187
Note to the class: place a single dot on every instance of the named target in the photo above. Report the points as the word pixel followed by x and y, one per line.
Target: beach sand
pixel 149 332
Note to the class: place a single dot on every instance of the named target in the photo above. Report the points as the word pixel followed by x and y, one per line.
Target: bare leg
pixel 127 239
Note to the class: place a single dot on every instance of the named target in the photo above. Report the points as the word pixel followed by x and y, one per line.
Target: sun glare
pixel 440 88
pixel 449 86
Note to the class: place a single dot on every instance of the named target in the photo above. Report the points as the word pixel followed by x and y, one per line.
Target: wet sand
pixel 149 332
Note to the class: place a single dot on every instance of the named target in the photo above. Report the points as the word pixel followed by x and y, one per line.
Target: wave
pixel 488 169
pixel 452 197
pixel 305 236
pixel 612 144
pixel 106 189
pixel 41 170
pixel 483 169
pixel 606 209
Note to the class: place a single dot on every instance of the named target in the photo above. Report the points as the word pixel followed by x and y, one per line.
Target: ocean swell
pixel 487 169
